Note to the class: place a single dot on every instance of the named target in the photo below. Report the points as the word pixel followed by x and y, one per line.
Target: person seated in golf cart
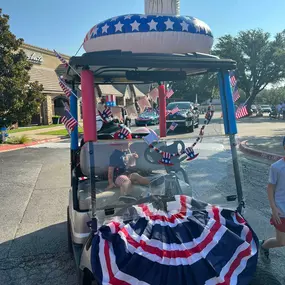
pixel 121 161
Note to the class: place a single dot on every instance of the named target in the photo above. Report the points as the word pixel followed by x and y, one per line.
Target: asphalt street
pixel 33 194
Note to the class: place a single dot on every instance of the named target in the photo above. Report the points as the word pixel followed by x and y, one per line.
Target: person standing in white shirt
pixel 276 196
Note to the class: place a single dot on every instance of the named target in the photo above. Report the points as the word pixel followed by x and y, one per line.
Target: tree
pixel 202 85
pixel 273 96
pixel 260 61
pixel 19 98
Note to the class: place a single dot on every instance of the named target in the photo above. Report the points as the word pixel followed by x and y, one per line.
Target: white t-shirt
pixel 277 178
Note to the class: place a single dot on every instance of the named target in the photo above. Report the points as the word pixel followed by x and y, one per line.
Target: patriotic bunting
pixel 190 242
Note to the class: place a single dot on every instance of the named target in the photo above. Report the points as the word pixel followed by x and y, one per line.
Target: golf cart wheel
pixel 86 278
pixel 264 277
pixel 69 240
pixel 197 125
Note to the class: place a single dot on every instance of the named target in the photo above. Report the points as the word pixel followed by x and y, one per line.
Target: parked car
pixel 187 117
pixel 254 109
pixel 265 109
pixel 148 117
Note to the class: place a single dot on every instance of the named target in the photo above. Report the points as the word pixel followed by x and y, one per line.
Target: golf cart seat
pixel 100 153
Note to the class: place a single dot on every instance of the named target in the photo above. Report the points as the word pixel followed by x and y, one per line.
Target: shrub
pixel 18 140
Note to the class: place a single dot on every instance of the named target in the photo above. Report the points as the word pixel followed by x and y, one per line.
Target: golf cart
pixel 160 233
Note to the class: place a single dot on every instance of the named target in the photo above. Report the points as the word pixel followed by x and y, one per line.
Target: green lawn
pixel 59 132
pixel 32 128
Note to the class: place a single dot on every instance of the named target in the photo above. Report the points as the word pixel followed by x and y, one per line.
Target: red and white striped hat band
pixel 110 98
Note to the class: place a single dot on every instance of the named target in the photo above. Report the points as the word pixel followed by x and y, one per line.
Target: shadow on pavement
pixel 40 257
pixel 266 143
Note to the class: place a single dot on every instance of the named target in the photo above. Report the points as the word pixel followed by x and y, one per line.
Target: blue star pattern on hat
pixel 166 159
pixel 137 23
pixel 190 153
pixel 124 132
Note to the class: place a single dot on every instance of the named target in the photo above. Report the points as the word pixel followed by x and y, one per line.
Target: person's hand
pixel 276 215
pixel 135 155
pixel 111 186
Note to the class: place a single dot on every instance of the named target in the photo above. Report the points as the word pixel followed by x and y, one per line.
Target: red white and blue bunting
pixel 190 243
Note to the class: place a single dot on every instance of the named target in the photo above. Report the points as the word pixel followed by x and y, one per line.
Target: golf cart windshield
pixel 180 105
pixel 201 174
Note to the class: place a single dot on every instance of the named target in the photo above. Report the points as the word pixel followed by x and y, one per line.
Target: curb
pixel 11 147
pixel 263 154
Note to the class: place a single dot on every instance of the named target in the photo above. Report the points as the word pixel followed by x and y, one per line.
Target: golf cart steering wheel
pixel 152 156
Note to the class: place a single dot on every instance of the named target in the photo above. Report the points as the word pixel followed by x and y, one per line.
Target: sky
pixel 62 25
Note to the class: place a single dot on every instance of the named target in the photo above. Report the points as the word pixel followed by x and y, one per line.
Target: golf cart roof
pixel 117 67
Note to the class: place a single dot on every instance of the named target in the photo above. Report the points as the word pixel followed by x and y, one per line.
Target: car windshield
pixel 201 174
pixel 148 114
pixel 180 105
pixel 265 106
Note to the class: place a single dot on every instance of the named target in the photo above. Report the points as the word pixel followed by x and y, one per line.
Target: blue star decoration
pixel 149 23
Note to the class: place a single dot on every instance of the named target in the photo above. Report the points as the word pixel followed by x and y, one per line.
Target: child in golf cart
pixel 120 160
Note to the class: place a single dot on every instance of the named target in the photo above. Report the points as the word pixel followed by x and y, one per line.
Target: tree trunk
pixel 249 102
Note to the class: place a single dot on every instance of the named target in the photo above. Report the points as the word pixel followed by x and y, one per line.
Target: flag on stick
pixel 169 93
pixel 64 62
pixel 236 95
pixel 233 79
pixel 241 112
pixel 68 120
pixel 173 126
pixel 174 111
pixel 67 90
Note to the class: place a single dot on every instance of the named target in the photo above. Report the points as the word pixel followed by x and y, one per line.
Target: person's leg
pixel 138 179
pixel 124 183
pixel 278 241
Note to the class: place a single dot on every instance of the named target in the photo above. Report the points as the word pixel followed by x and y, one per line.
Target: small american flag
pixel 68 120
pixel 241 112
pixel 236 95
pixel 173 126
pixel 169 93
pixel 64 62
pixel 174 111
pixel 65 88
pixel 233 79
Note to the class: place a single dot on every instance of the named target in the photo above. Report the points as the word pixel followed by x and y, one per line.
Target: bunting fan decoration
pixel 166 157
